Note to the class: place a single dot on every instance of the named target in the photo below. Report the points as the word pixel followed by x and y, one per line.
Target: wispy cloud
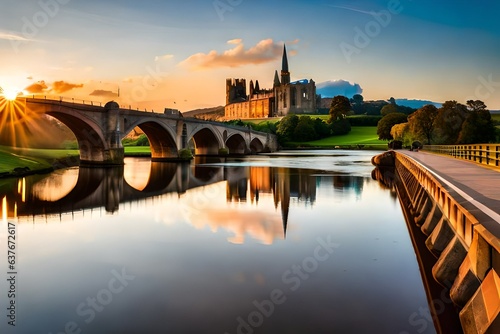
pixel 235 41
pixel 263 52
pixel 352 9
pixel 164 57
pixel 11 36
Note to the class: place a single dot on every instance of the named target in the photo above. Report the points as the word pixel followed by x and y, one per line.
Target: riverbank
pixel 17 162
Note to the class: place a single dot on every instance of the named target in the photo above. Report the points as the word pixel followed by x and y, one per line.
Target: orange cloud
pixel 57 87
pixel 103 93
pixel 37 88
pixel 263 52
pixel 62 86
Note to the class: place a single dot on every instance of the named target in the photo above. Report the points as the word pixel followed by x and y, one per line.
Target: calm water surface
pixel 280 244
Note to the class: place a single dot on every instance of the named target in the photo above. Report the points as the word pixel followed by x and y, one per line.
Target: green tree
pixel 304 131
pixel 449 121
pixel 321 128
pixel 388 109
pixel 387 122
pixel 358 104
pixel 286 127
pixel 401 132
pixel 421 122
pixel 340 127
pixel 478 126
pixel 339 108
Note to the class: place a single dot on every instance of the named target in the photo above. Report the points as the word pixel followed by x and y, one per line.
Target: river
pixel 296 242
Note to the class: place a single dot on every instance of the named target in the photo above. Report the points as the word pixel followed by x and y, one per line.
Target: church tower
pixel 285 73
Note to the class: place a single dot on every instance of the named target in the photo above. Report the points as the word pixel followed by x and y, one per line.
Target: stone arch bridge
pixel 100 130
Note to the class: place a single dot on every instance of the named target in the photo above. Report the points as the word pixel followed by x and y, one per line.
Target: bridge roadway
pixel 476 187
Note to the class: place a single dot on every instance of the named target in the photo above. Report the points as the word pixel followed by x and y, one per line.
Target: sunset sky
pixel 178 54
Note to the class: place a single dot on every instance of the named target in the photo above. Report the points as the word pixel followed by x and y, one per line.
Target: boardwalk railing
pixel 487 154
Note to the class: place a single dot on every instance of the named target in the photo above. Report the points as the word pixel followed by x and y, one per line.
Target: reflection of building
pixel 346 182
pixel 285 97
pixel 282 183
pixel 261 181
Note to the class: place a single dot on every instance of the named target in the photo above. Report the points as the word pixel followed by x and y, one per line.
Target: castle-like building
pixel 285 97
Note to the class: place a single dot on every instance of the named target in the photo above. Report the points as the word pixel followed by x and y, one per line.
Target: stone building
pixel 285 97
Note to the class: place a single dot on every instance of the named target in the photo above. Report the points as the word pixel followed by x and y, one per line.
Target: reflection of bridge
pixel 97 187
pixel 100 130
pixel 108 187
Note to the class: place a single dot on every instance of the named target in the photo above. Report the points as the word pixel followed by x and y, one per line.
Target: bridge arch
pixel 206 142
pixel 91 143
pixel 161 141
pixel 256 146
pixel 236 144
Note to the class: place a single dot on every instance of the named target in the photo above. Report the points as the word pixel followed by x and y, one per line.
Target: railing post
pixel 497 155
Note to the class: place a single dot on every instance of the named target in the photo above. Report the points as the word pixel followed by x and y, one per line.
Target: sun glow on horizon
pixel 13 122
pixel 10 93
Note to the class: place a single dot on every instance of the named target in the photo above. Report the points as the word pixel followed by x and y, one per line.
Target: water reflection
pixel 80 189
pixel 170 226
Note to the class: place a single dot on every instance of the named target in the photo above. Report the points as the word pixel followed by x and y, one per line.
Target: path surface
pixel 476 187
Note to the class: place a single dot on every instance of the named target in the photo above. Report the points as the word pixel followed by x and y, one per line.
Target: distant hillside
pixel 208 114
pixel 416 103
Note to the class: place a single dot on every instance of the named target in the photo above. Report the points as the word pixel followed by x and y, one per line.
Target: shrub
pixel 185 154
pixel 340 127
pixel 223 151
pixel 142 140
pixel 396 145
pixel 416 145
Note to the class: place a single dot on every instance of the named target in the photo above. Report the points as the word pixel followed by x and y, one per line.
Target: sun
pixel 9 93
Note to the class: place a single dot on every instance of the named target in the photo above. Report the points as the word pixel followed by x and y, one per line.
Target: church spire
pixel 284 61
pixel 285 74
pixel 276 79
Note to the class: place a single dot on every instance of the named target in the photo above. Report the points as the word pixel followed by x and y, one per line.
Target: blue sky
pixel 179 53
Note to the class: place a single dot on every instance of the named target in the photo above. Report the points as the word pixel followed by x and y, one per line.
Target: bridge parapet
pixel 467 251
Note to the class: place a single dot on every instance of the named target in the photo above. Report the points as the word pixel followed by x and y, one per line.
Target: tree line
pixel 452 123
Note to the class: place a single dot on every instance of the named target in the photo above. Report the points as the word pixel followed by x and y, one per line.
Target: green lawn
pixel 137 150
pixel 359 135
pixel 34 159
pixel 11 160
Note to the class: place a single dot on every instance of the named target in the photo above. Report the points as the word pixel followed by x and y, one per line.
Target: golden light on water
pixel 21 189
pixel 4 209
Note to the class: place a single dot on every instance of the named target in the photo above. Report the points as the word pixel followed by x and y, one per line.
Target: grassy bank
pixel 137 151
pixel 359 137
pixel 19 161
